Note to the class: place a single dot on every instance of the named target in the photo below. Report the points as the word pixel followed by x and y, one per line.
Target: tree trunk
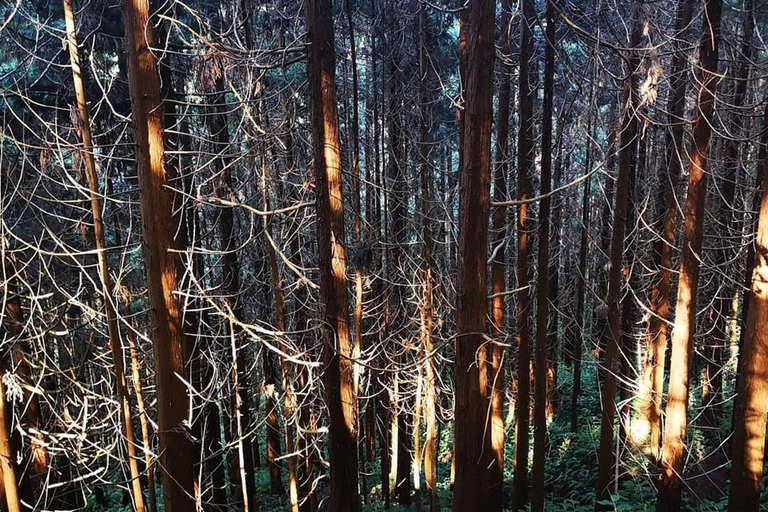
pixel 427 309
pixel 341 394
pixel 245 476
pixel 163 265
pixel 652 384
pixel 542 313
pixel 673 447
pixel 495 487
pixel 613 315
pixel 107 289
pixel 525 161
pixel 10 495
pixel 473 453
pixel 752 398
pixel 712 386
pixel 586 207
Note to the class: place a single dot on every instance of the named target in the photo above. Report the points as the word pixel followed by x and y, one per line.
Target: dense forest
pixel 367 255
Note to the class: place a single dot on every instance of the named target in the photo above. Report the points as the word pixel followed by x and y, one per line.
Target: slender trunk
pixel 146 432
pixel 525 157
pixel 473 447
pixel 107 289
pixel 427 309
pixel 712 386
pixel 628 135
pixel 542 298
pixel 652 384
pixel 581 335
pixel 673 447
pixel 285 365
pixel 340 390
pixel 398 209
pixel 495 486
pixel 163 265
pixel 750 408
pixel 217 125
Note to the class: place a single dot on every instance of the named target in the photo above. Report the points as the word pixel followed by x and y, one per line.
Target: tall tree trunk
pixel 525 162
pixel 245 476
pixel 673 447
pixel 627 147
pixel 339 373
pixel 160 220
pixel 427 309
pixel 285 365
pixel 652 384
pixel 398 208
pixel 586 207
pixel 472 445
pixel 542 313
pixel 752 398
pixel 495 487
pixel 712 386
pixel 107 288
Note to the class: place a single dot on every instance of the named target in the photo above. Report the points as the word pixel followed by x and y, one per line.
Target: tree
pixel 655 355
pixel 164 268
pixel 627 135
pixel 471 367
pixel 525 164
pixel 498 268
pixel 341 394
pixel 673 447
pixel 542 298
pixel 115 342
pixel 750 408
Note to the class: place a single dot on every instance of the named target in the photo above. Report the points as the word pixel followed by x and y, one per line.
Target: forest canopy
pixel 346 256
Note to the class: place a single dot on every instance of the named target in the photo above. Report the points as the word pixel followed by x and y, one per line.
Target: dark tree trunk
pixel 160 221
pixel 472 445
pixel 340 389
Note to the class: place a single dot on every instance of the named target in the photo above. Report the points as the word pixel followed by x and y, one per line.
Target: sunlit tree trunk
pixel 341 395
pixel 427 308
pixel 652 380
pixel 10 496
pixel 163 265
pixel 752 398
pixel 673 447
pixel 472 444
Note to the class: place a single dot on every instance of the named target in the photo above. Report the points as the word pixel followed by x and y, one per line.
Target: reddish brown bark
pixel 612 334
pixel 525 162
pixel 341 395
pixel 472 445
pixel 752 398
pixel 542 313
pixel 673 447
pixel 714 353
pixel 163 266
pixel 498 272
pixel 652 383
